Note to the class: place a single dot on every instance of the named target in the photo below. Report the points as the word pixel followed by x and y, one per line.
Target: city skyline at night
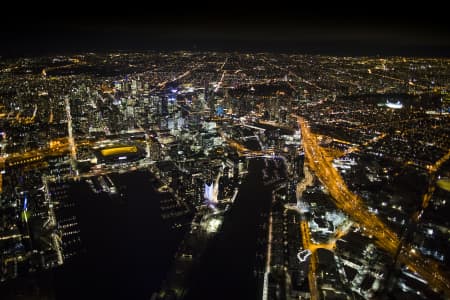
pixel 233 153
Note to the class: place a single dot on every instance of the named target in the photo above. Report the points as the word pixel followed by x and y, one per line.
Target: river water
pixel 227 271
pixel 128 246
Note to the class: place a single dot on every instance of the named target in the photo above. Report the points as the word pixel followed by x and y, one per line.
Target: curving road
pixel 353 205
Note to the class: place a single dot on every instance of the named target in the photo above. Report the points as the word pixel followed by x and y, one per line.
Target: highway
pixel 306 235
pixel 354 206
pixel 438 164
pixel 312 273
pixel 307 243
pixel 426 198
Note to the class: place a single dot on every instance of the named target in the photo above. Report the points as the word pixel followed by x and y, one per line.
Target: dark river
pixel 227 270
pixel 129 247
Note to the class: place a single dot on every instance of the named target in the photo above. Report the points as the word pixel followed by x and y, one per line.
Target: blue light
pixel 25 203
pixel 219 111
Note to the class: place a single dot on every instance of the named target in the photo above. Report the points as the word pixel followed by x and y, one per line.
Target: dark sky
pixel 371 30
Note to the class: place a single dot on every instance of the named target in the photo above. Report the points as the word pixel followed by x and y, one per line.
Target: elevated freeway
pixel 353 205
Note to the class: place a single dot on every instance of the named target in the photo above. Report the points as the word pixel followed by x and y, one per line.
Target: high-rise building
pixel 164 106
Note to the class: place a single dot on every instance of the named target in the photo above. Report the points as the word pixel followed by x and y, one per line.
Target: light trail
pixel 426 198
pixel 312 274
pixel 353 205
pixel 306 236
pixel 440 162
pixel 12 236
